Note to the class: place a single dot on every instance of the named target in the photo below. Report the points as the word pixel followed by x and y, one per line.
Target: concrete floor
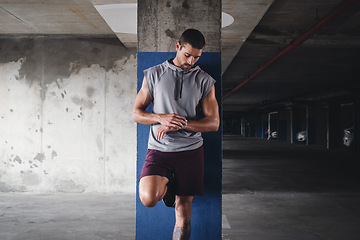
pixel 67 216
pixel 276 191
pixel 272 191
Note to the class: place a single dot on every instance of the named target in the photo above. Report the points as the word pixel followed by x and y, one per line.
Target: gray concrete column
pixel 161 22
pixel 317 127
pixel 243 127
pixel 357 125
pixel 334 131
pixel 282 125
pixel 291 126
pixel 310 125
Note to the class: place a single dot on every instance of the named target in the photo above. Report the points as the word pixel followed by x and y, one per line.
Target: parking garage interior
pixel 290 119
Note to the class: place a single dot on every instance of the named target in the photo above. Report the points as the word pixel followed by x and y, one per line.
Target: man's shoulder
pixel 157 68
pixel 154 73
pixel 204 75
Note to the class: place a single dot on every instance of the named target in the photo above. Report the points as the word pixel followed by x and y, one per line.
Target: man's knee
pixel 148 199
pixel 152 189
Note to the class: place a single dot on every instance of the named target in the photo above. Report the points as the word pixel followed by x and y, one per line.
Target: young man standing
pixel 174 166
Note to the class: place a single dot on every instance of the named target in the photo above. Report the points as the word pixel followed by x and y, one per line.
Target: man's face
pixel 186 56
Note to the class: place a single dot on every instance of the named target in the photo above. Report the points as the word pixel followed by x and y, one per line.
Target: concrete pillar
pixel 288 125
pixel 357 126
pixel 320 113
pixel 316 124
pixel 298 122
pixel 258 126
pixel 310 125
pixel 282 126
pixel 334 122
pixel 243 127
pixel 273 123
pixel 264 125
pixel 291 126
pixel 160 24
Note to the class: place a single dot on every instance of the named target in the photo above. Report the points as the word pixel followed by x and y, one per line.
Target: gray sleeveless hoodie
pixel 174 90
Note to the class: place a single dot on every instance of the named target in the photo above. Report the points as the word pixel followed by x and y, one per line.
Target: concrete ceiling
pixel 25 17
pixel 323 66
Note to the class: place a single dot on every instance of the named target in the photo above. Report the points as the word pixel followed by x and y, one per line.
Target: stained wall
pixel 65 115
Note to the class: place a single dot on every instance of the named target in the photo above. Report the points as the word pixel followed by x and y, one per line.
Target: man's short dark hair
pixel 194 37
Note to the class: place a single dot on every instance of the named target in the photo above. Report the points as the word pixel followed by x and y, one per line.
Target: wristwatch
pixel 184 126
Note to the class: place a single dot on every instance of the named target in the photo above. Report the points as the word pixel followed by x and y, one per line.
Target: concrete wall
pixel 65 115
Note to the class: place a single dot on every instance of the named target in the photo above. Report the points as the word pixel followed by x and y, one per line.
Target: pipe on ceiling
pixel 341 8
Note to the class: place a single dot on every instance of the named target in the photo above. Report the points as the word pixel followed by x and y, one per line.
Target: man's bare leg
pixel 152 189
pixel 183 208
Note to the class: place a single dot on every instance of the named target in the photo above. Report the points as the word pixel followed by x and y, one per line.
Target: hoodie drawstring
pixel 178 85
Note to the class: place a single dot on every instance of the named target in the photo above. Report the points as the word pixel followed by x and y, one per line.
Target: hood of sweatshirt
pixel 179 73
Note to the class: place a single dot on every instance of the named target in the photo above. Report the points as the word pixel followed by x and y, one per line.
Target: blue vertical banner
pixel 158 222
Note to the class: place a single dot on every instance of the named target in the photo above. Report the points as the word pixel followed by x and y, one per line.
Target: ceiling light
pixel 226 19
pixel 122 18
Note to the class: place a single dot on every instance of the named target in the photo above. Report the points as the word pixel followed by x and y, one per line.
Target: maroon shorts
pixel 187 166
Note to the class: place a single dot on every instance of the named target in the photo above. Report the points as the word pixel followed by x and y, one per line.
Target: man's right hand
pixel 164 129
pixel 172 120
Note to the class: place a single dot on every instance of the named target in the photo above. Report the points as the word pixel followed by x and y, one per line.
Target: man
pixel 174 164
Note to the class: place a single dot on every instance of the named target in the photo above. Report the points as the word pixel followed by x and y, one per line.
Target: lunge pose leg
pixel 183 208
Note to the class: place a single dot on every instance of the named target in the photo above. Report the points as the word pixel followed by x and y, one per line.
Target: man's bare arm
pixel 211 120
pixel 140 115
pixel 209 123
